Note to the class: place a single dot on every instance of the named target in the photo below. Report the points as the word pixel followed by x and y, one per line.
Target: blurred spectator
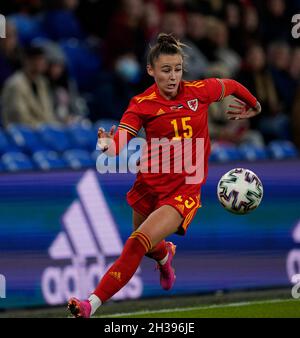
pixel 95 15
pixel 25 97
pixel 22 6
pixel 223 56
pixel 196 28
pixel 196 32
pixel 276 21
pixel 214 8
pixel 217 7
pixel 175 5
pixel 8 7
pixel 10 53
pixel 173 22
pixel 258 79
pixel 68 105
pixel 250 29
pixel 124 50
pixel 126 32
pixel 279 58
pixel 234 21
pixel 152 20
pixel 295 118
pixel 275 123
pixel 121 83
pixel 128 68
pixel 294 68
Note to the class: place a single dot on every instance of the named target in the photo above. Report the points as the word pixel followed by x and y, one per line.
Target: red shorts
pixel 144 202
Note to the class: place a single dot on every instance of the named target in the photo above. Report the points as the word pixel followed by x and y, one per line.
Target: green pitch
pixel 270 303
pixel 255 309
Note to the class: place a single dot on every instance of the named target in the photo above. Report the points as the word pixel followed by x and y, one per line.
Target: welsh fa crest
pixel 193 104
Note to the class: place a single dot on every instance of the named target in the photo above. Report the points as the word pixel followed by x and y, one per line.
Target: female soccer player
pixel 163 203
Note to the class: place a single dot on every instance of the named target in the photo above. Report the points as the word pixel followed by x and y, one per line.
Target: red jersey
pixel 184 117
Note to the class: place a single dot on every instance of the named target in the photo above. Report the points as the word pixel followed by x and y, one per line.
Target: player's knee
pixel 138 220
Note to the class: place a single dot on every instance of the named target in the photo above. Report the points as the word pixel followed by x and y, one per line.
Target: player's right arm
pixel 112 143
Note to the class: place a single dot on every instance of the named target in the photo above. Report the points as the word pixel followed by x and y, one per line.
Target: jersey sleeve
pixel 235 88
pixel 214 90
pixel 131 120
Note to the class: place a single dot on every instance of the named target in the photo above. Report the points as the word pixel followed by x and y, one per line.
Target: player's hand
pixel 240 110
pixel 105 138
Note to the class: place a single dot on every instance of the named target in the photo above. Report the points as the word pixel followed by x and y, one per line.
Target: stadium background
pixel 47 171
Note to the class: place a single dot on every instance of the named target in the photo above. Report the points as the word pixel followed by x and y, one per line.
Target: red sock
pixel 124 267
pixel 158 252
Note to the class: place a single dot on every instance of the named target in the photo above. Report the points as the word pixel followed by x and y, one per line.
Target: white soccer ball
pixel 240 191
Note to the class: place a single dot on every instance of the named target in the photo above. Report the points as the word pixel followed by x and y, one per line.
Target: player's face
pixel 167 73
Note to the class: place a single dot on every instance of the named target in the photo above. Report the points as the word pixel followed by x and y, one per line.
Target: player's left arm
pixel 245 104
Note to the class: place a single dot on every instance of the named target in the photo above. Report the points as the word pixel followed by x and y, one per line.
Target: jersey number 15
pixel 187 129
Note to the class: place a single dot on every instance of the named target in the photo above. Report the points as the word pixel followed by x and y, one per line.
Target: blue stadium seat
pixel 6 144
pixel 27 139
pixel 61 24
pixel 95 154
pixel 17 161
pixel 83 136
pixel 47 160
pixel 78 159
pixel 28 27
pixel 283 149
pixel 55 137
pixel 225 153
pixel 84 64
pixel 253 153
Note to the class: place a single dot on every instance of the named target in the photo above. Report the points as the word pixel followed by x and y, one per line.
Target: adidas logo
pixel 116 275
pixel 160 112
pixel 89 237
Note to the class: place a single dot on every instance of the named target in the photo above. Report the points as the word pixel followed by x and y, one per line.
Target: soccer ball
pixel 240 191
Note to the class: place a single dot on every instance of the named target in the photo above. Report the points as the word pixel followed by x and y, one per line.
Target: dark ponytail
pixel 166 44
pixel 169 39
